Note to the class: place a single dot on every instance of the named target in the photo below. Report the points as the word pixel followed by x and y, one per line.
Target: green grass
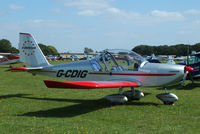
pixel 28 107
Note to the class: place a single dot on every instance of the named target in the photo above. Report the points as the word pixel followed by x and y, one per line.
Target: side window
pixel 111 65
pixel 108 63
pixel 95 65
pixel 127 62
pixel 101 63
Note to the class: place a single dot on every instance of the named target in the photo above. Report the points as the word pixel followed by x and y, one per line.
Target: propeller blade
pixel 184 78
pixel 190 75
pixel 188 49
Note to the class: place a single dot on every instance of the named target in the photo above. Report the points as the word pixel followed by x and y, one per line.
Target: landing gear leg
pixel 134 94
pixel 133 97
pixel 120 90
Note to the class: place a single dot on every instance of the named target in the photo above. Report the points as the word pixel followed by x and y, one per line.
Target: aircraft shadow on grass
pixel 4 67
pixel 13 95
pixel 82 107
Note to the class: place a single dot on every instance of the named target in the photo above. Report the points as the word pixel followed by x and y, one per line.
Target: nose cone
pixel 189 69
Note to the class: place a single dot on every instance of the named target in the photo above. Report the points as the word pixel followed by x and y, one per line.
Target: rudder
pixel 30 52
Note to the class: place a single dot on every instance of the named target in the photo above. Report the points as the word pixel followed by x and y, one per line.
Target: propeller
pixel 188 51
pixel 190 73
pixel 188 70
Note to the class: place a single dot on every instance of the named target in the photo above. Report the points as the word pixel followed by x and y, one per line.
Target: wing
pixel 90 84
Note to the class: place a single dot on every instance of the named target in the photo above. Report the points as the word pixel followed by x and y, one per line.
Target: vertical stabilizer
pixel 30 52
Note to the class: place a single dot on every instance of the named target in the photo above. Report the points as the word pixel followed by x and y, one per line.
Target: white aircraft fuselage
pixel 149 74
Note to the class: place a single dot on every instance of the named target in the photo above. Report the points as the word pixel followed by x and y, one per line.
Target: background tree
pixel 178 50
pixel 5 46
pixel 88 50
pixel 53 50
pixel 195 47
pixel 48 50
pixel 14 50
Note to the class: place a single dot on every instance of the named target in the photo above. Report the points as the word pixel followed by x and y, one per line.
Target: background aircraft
pixel 153 59
pixel 194 61
pixel 8 58
pixel 112 68
pixel 170 60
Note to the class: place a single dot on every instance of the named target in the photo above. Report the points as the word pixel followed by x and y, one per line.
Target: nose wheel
pixel 167 98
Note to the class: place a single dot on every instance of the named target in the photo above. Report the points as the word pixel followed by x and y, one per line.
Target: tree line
pixel 178 50
pixel 6 47
pixel 48 50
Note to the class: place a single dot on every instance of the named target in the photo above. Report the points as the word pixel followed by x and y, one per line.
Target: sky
pixel 72 25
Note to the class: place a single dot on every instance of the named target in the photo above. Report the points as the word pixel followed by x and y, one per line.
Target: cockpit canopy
pixel 117 60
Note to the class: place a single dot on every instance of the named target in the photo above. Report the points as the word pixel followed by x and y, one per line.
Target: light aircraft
pixel 110 69
pixel 153 59
pixel 8 58
pixel 170 60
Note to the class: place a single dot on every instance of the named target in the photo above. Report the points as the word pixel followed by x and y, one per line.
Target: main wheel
pixel 134 96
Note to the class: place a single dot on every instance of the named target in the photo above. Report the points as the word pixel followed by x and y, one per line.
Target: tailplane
pixel 30 52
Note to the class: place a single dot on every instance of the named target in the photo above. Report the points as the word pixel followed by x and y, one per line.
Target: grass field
pixel 28 107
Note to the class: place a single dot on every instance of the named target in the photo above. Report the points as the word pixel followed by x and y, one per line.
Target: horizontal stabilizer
pixel 24 68
pixel 5 54
pixel 89 84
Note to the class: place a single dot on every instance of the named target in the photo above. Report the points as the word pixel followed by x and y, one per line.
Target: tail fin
pixel 30 52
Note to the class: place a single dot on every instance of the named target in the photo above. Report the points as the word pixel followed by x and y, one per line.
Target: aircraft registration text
pixel 72 73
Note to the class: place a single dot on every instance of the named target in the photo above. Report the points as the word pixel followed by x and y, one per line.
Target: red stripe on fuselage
pixel 45 71
pixel 126 74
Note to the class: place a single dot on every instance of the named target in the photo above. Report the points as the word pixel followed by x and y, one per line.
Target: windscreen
pixel 117 60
